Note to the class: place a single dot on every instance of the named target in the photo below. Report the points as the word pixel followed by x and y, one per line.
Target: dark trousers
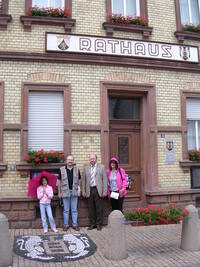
pixel 95 205
pixel 117 204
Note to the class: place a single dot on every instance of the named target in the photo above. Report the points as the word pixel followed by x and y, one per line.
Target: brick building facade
pixel 162 88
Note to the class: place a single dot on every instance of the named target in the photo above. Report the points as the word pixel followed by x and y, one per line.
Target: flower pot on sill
pixel 137 223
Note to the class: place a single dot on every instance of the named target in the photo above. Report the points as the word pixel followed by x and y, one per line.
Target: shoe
pixel 65 228
pixel 76 228
pixel 91 227
pixel 99 227
pixel 45 231
pixel 55 230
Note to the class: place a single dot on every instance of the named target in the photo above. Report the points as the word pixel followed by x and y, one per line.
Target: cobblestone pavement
pixel 148 246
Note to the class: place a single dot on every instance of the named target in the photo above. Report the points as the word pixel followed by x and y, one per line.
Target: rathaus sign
pixel 120 47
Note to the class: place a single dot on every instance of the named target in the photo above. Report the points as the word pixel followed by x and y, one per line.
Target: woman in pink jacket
pixel 45 194
pixel 116 184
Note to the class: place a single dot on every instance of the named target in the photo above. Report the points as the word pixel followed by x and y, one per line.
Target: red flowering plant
pixel 49 12
pixel 120 19
pixel 194 154
pixel 156 215
pixel 41 156
pixel 191 27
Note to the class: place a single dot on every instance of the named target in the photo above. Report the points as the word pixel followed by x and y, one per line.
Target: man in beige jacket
pixel 94 188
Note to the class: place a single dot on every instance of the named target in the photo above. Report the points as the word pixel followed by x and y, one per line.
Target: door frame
pixel 149 157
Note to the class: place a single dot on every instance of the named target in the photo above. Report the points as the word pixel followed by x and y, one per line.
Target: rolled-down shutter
pixel 45 121
pixel 193 109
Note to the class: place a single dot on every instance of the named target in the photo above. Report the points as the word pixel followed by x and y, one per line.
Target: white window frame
pixel 193 115
pixel 124 5
pixel 190 12
pixel 196 133
pixel 48 3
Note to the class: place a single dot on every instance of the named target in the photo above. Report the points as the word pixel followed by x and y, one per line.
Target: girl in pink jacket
pixel 45 194
pixel 116 184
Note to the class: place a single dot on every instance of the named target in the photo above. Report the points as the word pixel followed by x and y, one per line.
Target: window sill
pixel 111 27
pixel 182 35
pixel 26 168
pixel 67 23
pixel 4 20
pixel 3 168
pixel 187 164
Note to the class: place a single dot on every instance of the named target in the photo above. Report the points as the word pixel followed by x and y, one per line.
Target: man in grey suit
pixel 94 188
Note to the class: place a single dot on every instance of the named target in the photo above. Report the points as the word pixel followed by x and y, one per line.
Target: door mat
pixel 54 248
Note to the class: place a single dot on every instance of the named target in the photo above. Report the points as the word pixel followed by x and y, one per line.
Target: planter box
pixel 141 223
pixel 137 223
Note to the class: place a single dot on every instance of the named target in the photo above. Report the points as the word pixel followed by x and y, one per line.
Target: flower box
pixel 191 27
pixel 117 22
pixel 49 12
pixel 152 215
pixel 119 19
pixel 41 156
pixel 137 223
pixel 194 155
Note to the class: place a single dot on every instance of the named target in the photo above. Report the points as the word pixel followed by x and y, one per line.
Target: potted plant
pixel 191 27
pixel 152 215
pixel 119 19
pixel 194 154
pixel 49 12
pixel 42 156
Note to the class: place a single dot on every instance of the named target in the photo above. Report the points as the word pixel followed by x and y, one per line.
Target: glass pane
pixel 131 8
pixel 123 150
pixel 184 11
pixel 50 3
pixel 118 7
pixel 120 108
pixel 0 5
pixel 194 11
pixel 38 3
pixel 191 135
pixel 56 3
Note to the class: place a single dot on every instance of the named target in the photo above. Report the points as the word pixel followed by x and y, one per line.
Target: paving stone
pixel 155 246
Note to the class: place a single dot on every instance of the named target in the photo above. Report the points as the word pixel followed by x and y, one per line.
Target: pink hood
pixel 114 159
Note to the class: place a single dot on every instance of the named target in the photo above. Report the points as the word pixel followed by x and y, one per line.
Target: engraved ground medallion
pixel 54 248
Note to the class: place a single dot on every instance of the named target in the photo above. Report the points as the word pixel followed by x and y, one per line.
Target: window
pixel 67 22
pixel 3 167
pixel 1 5
pixel 121 108
pixel 126 7
pixel 195 177
pixel 49 3
pixel 190 11
pixel 131 8
pixel 123 149
pixel 193 123
pixel 45 121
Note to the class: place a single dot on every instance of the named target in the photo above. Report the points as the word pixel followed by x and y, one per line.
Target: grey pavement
pixel 148 246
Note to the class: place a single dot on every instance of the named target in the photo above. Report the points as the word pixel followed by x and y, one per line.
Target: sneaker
pixel 45 231
pixel 76 228
pixel 99 227
pixel 91 227
pixel 65 228
pixel 55 230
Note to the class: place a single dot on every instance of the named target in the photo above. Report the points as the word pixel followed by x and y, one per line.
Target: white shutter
pixel 193 109
pixel 45 121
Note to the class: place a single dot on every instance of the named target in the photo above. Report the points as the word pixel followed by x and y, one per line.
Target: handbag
pixel 128 178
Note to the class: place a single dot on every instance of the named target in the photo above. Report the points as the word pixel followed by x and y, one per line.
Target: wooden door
pixel 125 144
